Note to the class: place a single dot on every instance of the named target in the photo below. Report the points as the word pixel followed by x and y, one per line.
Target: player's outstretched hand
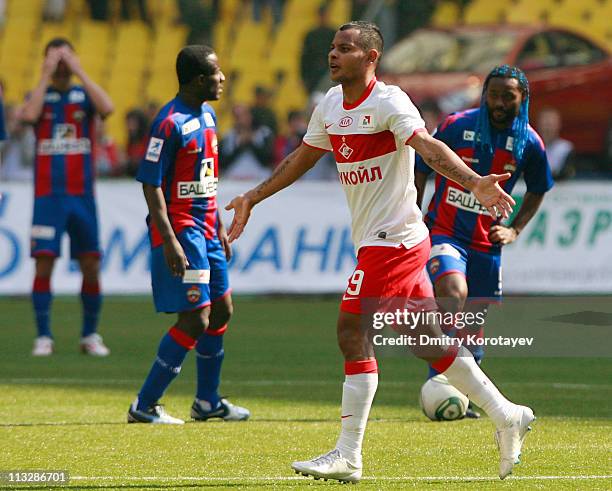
pixel 242 211
pixel 175 257
pixel 490 195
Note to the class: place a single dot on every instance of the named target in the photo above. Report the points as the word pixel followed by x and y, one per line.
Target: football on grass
pixel 440 401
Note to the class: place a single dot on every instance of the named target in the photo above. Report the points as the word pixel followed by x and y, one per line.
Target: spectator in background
pixel 17 162
pixel 98 9
pixel 151 109
pixel 313 63
pixel 560 152
pixel 199 17
pixel 129 7
pixel 263 115
pixel 137 139
pixel 431 114
pixel 384 13
pixel 54 10
pixel 2 12
pixel 297 124
pixel 246 152
pixel 285 144
pixel 105 152
pixel 276 8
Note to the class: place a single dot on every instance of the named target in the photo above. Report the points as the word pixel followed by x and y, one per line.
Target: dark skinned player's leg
pixel 453 289
pixel 210 352
pixel 173 348
pixel 451 292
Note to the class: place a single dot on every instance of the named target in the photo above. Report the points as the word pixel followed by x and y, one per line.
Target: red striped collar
pixel 363 96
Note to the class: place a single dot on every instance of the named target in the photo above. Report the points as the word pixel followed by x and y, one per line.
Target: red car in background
pixel 566 71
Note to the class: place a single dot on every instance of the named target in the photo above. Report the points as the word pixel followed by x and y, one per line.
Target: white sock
pixel 468 378
pixel 357 396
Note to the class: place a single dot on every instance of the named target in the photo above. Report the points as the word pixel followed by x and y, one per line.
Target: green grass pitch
pixel 67 412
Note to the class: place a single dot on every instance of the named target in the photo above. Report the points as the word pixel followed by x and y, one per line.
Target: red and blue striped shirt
pixel 64 140
pixel 182 159
pixel 453 210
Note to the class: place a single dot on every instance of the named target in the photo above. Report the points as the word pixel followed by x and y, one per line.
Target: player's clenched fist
pixel 242 206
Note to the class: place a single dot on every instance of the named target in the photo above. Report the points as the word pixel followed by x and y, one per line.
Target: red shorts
pixel 385 273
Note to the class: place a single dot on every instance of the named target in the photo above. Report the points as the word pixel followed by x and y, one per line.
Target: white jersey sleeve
pixel 402 116
pixel 317 136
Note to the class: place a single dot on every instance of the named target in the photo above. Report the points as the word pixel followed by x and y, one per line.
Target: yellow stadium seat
pixel 484 12
pixel 93 35
pixel 446 14
pixel 25 9
pixel 291 95
pixel 300 9
pixel 251 39
pixel 339 12
pixel 166 45
pixel 572 14
pixel 229 9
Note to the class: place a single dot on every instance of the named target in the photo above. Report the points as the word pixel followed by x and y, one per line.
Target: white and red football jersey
pixel 375 166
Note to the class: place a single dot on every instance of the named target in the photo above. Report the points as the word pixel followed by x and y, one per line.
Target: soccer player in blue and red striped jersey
pixel 465 259
pixel 63 118
pixel 189 245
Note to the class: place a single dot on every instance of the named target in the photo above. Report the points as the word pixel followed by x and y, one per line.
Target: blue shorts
pixel 205 281
pixel 482 270
pixel 54 215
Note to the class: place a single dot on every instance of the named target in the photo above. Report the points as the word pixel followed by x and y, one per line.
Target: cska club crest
pixel 194 294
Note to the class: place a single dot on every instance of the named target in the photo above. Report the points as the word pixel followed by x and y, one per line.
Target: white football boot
pixel 329 466
pixel 94 346
pixel 510 439
pixel 202 411
pixel 43 346
pixel 155 414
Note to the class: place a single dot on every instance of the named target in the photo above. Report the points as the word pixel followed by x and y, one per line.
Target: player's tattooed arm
pixel 173 251
pixel 295 165
pixel 446 162
pixel 443 160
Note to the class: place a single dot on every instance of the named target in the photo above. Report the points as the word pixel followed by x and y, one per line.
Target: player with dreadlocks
pixel 465 260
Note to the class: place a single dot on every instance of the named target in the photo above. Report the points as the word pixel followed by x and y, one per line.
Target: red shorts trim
pixel 386 273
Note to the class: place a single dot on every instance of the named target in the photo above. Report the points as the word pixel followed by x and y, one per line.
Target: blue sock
pixel 91 299
pixel 41 300
pixel 209 352
pixel 166 367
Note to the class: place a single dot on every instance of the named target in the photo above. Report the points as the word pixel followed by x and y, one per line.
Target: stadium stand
pixel 133 60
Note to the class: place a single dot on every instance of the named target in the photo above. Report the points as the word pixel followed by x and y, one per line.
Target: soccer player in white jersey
pixel 373 130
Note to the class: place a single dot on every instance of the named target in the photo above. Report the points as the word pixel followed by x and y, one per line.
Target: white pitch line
pixel 265 383
pixel 300 478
